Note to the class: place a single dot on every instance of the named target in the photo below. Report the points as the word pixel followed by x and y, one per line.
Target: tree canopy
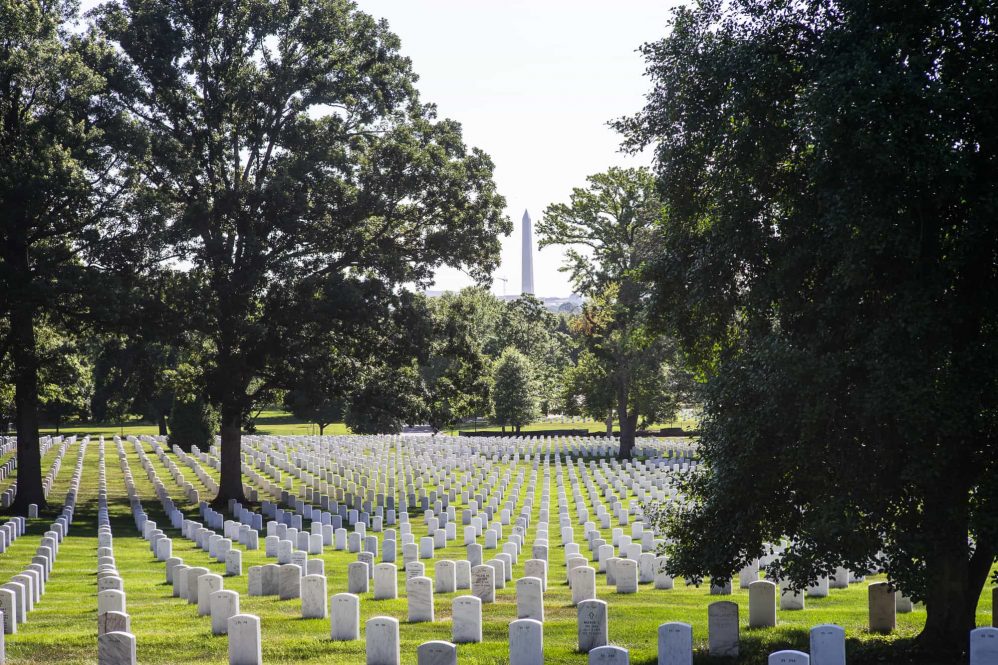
pixel 513 394
pixel 829 266
pixel 611 229
pixel 291 159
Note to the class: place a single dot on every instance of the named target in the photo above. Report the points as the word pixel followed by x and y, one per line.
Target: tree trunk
pixel 955 579
pixel 322 428
pixel 161 422
pixel 230 485
pixel 609 423
pixel 25 361
pixel 628 425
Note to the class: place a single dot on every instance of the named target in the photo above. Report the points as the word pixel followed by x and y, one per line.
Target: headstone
pixel 385 581
pixel 526 642
pixel 113 622
pixel 419 592
pixel 224 606
pixel 627 576
pixel 722 629
pixel 530 598
pixel 357 577
pixel 828 645
pixel 244 640
pixel 675 644
pixel 344 617
pixel 483 583
pixel 290 584
pixel 790 599
pixel 466 613
pixel 436 652
pixel 592 625
pixel 111 600
pixel 583 581
pixel 382 637
pixel 984 646
pixel 313 597
pixel 445 576
pixel 762 604
pixel 663 580
pixel 609 655
pixel 883 608
pixel 116 648
pixel 207 585
pixel 789 657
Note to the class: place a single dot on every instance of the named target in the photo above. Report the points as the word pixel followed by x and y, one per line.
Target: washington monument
pixel 527 261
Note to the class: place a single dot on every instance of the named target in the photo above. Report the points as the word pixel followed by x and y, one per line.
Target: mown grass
pixel 62 628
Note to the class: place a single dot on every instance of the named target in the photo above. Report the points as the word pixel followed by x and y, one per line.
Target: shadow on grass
pixel 755 647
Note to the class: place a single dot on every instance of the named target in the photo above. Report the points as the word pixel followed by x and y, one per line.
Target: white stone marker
pixel 290 584
pixel 244 640
pixel 344 617
pixel 762 604
pixel 419 591
pixel 116 648
pixel 592 625
pixel 110 622
pixel 748 574
pixel 111 600
pixel 790 599
pixel 224 606
pixel 789 657
pixel 313 597
pixel 466 613
pixel 357 577
pixel 483 584
pixel 526 642
pixel 207 585
pixel 828 645
pixel 530 598
pixel 663 580
pixel 583 581
pixel 386 586
pixel 609 655
pixel 192 575
pixel 537 568
pixel 627 576
pixel 675 644
pixel 382 638
pixel 984 646
pixel 722 629
pixel 883 608
pixel 436 652
pixel 445 576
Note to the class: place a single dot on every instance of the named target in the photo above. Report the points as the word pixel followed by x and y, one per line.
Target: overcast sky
pixel 533 83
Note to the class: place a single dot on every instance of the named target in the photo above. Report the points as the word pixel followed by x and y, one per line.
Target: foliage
pixel 64 172
pixel 292 159
pixel 454 370
pixel 512 391
pixel 610 229
pixel 385 402
pixel 830 268
pixel 193 422
pixel 314 406
pixel 586 388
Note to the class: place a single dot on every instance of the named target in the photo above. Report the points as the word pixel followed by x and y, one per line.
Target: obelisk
pixel 527 280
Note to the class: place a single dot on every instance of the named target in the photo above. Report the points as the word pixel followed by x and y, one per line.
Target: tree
pixel 65 377
pixel 829 267
pixel 312 404
pixel 454 368
pixel 526 325
pixel 63 172
pixel 513 390
pixel 291 157
pixel 587 390
pixel 610 229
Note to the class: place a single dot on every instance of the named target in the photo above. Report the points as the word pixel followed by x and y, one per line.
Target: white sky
pixel 533 83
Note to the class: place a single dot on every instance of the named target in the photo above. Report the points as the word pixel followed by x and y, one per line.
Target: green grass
pixel 62 628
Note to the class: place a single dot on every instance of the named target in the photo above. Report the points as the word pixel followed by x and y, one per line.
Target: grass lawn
pixel 62 628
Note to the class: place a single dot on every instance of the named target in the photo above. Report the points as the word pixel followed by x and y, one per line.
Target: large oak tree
pixel 831 263
pixel 291 157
